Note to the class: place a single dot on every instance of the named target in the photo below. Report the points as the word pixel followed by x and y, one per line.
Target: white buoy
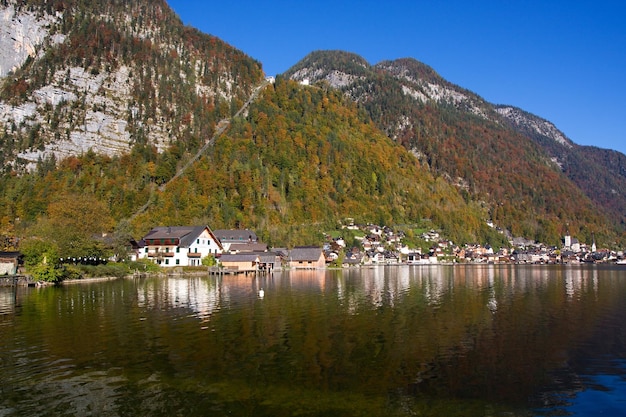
pixel 261 293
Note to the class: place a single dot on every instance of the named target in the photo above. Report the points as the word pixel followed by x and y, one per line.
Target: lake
pixel 385 341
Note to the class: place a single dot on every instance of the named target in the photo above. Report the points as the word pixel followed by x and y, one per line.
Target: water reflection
pixel 435 340
pixel 7 300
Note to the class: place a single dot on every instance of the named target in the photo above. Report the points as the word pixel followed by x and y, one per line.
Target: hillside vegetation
pixel 305 159
pixel 120 96
pixel 461 137
pixel 302 161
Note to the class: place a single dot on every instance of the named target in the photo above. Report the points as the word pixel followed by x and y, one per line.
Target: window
pixel 198 241
pixel 167 262
pixel 146 249
pixel 177 261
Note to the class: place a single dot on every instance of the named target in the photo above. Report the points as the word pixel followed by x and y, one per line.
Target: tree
pixel 41 260
pixel 209 260
pixel 75 223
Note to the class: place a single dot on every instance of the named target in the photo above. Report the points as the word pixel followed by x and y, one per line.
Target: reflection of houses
pixel 180 245
pixel 306 257
pixel 9 262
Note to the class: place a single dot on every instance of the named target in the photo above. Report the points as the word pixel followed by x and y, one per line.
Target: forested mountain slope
pixel 117 97
pixel 102 104
pixel 303 160
pixel 600 173
pixel 467 140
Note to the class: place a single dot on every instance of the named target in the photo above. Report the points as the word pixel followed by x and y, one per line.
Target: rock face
pixel 103 128
pixel 535 124
pixel 151 82
pixel 23 34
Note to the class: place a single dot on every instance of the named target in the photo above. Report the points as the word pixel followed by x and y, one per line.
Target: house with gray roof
pixel 246 247
pixel 250 261
pixel 9 262
pixel 171 246
pixel 240 262
pixel 237 237
pixel 306 257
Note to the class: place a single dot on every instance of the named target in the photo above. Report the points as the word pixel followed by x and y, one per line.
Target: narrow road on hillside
pixel 220 128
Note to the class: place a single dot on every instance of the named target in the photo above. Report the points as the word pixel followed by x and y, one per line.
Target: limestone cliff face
pixel 103 128
pixel 23 34
pixel 107 77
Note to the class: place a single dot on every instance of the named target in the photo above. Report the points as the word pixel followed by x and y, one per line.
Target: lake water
pixel 386 341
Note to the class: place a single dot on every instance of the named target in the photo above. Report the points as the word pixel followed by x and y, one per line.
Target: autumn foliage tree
pixel 75 224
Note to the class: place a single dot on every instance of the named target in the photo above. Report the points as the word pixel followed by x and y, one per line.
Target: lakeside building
pixel 179 245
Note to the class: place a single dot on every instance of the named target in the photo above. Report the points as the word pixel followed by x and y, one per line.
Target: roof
pixel 305 253
pixel 284 252
pixel 352 261
pixel 240 257
pixel 185 234
pixel 235 236
pixel 247 247
pixel 269 257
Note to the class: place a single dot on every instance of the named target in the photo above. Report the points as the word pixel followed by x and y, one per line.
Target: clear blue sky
pixel 564 61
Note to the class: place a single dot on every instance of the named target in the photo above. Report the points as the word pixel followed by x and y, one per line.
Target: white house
pixel 180 245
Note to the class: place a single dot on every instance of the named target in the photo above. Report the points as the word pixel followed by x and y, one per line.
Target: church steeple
pixel 593 242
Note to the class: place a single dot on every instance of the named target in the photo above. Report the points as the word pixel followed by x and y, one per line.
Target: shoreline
pixel 27 281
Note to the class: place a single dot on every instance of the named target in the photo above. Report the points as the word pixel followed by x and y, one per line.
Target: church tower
pixel 567 240
pixel 593 243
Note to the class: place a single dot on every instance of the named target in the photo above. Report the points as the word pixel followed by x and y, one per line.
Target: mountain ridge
pixel 402 95
pixel 119 97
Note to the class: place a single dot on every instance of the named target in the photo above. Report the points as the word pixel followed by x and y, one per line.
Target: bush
pixel 143 265
pixel 112 269
pixel 72 272
pixel 209 260
pixel 46 272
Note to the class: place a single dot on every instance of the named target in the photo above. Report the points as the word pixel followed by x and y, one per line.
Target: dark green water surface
pixel 386 341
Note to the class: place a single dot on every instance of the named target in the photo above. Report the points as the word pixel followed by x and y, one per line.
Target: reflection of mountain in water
pixel 425 339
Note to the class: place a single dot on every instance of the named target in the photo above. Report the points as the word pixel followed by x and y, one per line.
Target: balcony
pixel 160 254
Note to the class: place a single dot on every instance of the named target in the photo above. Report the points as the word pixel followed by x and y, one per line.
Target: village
pixel 240 251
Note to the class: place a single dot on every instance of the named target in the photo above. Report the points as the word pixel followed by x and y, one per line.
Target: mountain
pixel 599 173
pixel 116 117
pixel 498 154
pixel 105 76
